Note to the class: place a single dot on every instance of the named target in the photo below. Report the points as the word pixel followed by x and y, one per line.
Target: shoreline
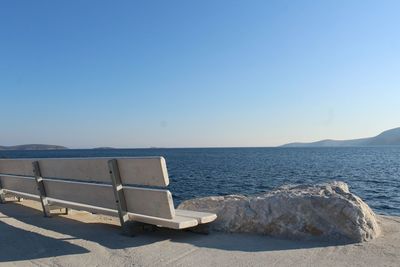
pixel 81 238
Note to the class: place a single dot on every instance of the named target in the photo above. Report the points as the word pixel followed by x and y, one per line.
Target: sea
pixel 373 173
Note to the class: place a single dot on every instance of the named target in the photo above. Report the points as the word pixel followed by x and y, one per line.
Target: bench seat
pixel 178 222
pixel 201 217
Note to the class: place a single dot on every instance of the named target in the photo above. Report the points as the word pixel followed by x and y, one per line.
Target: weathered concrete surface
pixel 83 239
pixel 323 211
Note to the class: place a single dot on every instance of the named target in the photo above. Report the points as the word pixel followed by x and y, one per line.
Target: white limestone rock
pixel 323 211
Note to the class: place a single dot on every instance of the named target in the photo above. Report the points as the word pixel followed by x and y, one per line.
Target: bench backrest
pixel 87 181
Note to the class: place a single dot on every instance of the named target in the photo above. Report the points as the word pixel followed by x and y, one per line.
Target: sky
pixel 197 73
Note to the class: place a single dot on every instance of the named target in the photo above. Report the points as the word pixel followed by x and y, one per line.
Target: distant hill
pixel 33 147
pixel 387 138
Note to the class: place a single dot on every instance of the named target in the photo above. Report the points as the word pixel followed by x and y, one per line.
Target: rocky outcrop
pixel 324 211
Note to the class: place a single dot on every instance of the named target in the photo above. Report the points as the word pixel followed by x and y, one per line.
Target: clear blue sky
pixel 197 73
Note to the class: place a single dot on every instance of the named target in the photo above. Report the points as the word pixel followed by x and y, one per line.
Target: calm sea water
pixel 373 173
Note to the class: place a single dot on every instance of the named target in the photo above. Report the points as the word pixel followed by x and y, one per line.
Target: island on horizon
pixel 387 138
pixel 33 147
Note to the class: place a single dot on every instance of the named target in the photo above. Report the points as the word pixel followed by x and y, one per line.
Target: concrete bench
pixel 132 188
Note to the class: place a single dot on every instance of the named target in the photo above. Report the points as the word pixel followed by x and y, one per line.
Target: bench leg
pixel 56 210
pixel 41 189
pixel 3 198
pixel 46 209
pixel 119 195
pixel 132 228
pixel 203 229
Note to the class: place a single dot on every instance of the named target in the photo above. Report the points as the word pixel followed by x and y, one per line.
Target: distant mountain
pixel 33 147
pixel 387 138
